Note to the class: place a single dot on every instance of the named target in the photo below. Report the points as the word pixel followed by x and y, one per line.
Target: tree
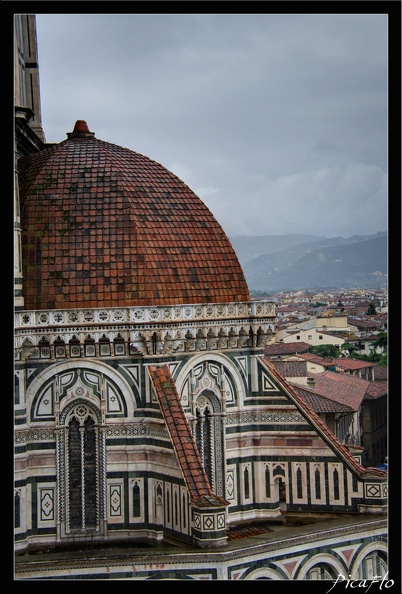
pixel 350 348
pixel 319 304
pixel 324 350
pixel 381 342
pixel 371 310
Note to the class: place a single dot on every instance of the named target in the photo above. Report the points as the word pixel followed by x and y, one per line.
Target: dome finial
pixel 81 126
pixel 81 130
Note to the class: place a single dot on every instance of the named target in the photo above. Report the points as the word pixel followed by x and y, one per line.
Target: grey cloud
pixel 265 115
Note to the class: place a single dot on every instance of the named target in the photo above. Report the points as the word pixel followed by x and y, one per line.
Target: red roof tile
pixel 182 438
pixel 328 436
pixel 283 348
pixel 291 368
pixel 343 388
pixel 376 390
pixel 314 359
pixel 380 372
pixel 319 403
pixel 352 364
pixel 103 218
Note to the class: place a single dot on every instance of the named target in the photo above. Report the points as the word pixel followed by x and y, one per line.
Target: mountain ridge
pixel 359 261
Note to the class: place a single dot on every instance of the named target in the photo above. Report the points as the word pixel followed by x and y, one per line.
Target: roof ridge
pixel 182 438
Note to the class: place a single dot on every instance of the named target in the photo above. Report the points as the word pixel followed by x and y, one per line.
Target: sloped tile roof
pixel 344 363
pixel 182 439
pixel 103 226
pixel 314 359
pixel 327 435
pixel 319 403
pixel 364 323
pixel 351 364
pixel 283 348
pixel 376 390
pixel 291 368
pixel 340 387
pixel 381 372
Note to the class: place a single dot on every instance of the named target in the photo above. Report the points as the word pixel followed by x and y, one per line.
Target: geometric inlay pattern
pixel 373 490
pixel 136 430
pixel 267 385
pixel 197 521
pixel 115 500
pixel 221 521
pixel 114 403
pixel 134 371
pixel 46 504
pixel 265 417
pixel 242 361
pixel 230 485
pixel 34 435
pixel 44 407
pixel 208 522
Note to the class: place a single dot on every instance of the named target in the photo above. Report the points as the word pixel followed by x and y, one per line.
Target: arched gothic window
pixel 209 439
pixel 81 470
pixel 204 440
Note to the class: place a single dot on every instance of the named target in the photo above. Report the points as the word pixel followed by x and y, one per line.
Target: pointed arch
pixel 209 437
pixel 81 468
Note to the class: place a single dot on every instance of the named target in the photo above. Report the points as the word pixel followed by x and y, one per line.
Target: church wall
pixel 264 439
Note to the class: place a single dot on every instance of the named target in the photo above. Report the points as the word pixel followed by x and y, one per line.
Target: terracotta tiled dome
pixel 104 226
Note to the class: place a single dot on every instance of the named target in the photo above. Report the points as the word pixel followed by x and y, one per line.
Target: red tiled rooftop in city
pixel 321 404
pixel 376 390
pixel 340 387
pixel 314 359
pixel 104 226
pixel 352 364
pixel 283 348
pixel 326 433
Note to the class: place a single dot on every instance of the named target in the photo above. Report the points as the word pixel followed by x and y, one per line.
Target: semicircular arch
pixel 220 359
pixel 264 573
pixel 361 554
pixel 319 559
pixel 99 366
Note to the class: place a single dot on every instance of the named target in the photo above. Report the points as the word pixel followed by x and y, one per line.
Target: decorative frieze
pixel 143 331
pixel 264 417
pixel 111 431
pixel 140 315
pixel 34 435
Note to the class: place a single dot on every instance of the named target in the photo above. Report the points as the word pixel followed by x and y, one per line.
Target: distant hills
pixel 298 262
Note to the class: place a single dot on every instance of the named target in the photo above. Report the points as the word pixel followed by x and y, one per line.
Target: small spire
pixel 81 130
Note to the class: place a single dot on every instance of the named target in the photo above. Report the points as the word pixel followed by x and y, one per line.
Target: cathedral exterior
pixel 145 410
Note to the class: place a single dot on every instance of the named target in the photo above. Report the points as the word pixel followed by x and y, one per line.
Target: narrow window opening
pixel 136 501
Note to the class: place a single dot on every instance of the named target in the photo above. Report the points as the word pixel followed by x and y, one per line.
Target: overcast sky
pixel 277 122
